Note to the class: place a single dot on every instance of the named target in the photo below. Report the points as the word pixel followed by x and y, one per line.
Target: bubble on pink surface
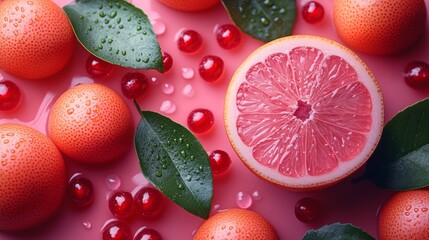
pixel 87 224
pixel 154 80
pixel 256 195
pixel 113 182
pixel 215 208
pixel 188 90
pixel 167 106
pixel 243 200
pixel 167 88
pixel 139 180
pixel 158 26
pixel 187 73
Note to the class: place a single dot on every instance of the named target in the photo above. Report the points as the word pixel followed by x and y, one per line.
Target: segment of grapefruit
pixel 303 112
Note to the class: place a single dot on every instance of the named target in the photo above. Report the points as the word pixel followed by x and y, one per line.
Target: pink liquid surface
pixel 175 95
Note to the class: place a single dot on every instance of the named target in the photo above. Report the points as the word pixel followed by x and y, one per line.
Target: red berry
pixel 307 210
pixel 189 41
pixel 417 74
pixel 10 95
pixel 147 234
pixel 228 36
pixel 211 68
pixel 116 230
pixel 81 191
pixel 121 204
pixel 133 84
pixel 98 68
pixel 313 12
pixel 219 161
pixel 167 60
pixel 149 202
pixel 200 120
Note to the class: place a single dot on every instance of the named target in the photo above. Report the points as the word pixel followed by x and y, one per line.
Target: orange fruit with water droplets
pixel 32 177
pixel 90 123
pixel 380 27
pixel 303 112
pixel 36 38
pixel 405 215
pixel 236 224
pixel 190 5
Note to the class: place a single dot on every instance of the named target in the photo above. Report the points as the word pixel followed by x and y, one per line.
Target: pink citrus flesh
pixel 303 112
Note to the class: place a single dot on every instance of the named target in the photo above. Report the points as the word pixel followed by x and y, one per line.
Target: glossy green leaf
pixel 338 231
pixel 117 32
pixel 173 160
pixel 401 160
pixel 262 19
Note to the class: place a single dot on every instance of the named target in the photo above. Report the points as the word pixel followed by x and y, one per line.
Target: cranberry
pixel 81 191
pixel 417 74
pixel 189 41
pixel 219 161
pixel 147 234
pixel 307 210
pixel 121 204
pixel 211 68
pixel 98 68
pixel 200 120
pixel 10 95
pixel 149 202
pixel 313 12
pixel 228 36
pixel 167 60
pixel 116 230
pixel 134 84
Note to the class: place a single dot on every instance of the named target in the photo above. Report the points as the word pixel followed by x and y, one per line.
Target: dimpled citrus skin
pixel 90 123
pixel 36 38
pixel 380 27
pixel 32 177
pixel 236 224
pixel 405 216
pixel 190 5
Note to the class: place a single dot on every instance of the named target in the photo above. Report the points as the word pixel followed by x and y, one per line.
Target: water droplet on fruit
pixel 167 106
pixel 113 182
pixel 167 88
pixel 256 195
pixel 158 26
pixel 243 200
pixel 187 73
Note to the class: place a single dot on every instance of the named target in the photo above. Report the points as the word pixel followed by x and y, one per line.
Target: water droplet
pixel 139 28
pixel 102 14
pixel 70 111
pixel 167 106
pixel 181 186
pixel 183 153
pixel 265 21
pixel 256 195
pixel 188 90
pixel 158 26
pixel 187 73
pixel 113 14
pixel 113 182
pixel 158 173
pixel 243 200
pixel 87 224
pixel 167 88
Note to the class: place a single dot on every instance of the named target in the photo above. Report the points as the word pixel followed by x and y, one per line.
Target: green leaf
pixel 262 19
pixel 173 160
pixel 117 32
pixel 338 231
pixel 401 160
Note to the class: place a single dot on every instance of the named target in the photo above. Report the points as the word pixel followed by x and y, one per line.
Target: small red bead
pixel 307 210
pixel 313 12
pixel 189 41
pixel 211 68
pixel 220 162
pixel 81 191
pixel 147 234
pixel 98 68
pixel 167 60
pixel 416 74
pixel 200 120
pixel 134 84
pixel 149 202
pixel 10 95
pixel 116 230
pixel 121 204
pixel 228 36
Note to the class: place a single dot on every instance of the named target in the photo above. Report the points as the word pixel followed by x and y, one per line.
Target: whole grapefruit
pixel 32 177
pixel 90 123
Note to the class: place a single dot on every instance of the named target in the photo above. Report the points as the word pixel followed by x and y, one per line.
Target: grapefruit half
pixel 303 112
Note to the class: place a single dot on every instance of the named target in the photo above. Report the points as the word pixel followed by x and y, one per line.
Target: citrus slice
pixel 303 112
